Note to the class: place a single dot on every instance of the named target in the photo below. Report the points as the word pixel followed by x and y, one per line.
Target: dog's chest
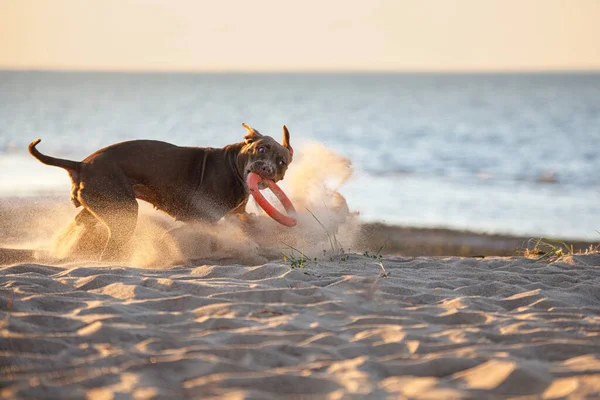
pixel 212 190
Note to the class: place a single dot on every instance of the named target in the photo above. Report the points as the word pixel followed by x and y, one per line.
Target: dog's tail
pixel 71 166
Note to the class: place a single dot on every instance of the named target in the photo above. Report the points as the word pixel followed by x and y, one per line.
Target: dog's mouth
pixel 264 171
pixel 261 185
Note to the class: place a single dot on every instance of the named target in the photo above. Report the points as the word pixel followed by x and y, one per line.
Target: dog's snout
pixel 266 169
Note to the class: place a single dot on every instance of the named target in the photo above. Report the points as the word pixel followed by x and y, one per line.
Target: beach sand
pixel 251 324
pixel 34 223
pixel 351 327
pixel 331 309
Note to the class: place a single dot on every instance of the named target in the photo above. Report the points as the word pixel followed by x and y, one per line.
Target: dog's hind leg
pixel 77 239
pixel 120 219
pixel 116 207
pixel 92 235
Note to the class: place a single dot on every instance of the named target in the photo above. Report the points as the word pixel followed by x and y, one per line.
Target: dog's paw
pixel 244 220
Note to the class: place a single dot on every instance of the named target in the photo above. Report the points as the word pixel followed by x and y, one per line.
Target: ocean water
pixel 498 153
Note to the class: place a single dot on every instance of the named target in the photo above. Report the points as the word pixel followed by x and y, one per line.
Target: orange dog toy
pixel 287 220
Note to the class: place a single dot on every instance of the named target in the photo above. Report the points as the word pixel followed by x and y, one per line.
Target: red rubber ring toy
pixel 253 181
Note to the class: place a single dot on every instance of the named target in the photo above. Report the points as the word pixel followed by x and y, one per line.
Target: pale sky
pixel 285 35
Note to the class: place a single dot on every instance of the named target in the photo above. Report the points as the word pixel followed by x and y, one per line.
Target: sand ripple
pixel 434 328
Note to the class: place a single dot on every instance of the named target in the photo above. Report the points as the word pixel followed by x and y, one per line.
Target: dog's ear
pixel 286 140
pixel 252 135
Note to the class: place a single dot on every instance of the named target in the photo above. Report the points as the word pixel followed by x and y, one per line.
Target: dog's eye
pixel 261 149
pixel 281 163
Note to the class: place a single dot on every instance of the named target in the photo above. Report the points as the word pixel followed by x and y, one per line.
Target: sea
pixel 506 153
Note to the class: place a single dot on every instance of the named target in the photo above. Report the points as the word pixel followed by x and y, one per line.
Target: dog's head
pixel 265 156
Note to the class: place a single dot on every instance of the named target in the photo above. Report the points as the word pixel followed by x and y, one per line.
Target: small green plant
pixel 376 256
pixel 340 255
pixel 301 261
pixel 544 248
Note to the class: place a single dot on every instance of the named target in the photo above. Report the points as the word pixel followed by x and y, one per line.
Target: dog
pixel 191 184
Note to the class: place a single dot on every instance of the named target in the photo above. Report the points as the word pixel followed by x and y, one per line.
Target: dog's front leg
pixel 240 215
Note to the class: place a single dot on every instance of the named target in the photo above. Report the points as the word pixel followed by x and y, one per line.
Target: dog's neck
pixel 237 159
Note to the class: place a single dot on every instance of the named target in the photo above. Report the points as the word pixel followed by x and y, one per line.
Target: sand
pixel 351 327
pixel 206 312
pixel 32 223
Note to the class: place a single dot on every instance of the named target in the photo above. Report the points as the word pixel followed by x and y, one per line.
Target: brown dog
pixel 188 183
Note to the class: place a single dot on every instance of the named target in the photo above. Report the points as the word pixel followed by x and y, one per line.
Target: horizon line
pixel 304 71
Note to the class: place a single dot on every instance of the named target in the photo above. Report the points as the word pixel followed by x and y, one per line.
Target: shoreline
pixel 20 223
pixel 413 241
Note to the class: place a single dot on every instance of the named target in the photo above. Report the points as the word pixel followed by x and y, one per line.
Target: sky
pixel 307 35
